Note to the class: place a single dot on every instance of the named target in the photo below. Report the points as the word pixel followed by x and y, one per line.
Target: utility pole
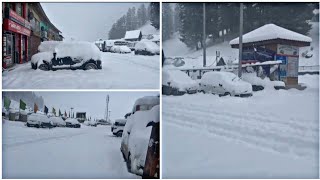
pixel 106 115
pixel 240 41
pixel 71 113
pixel 204 35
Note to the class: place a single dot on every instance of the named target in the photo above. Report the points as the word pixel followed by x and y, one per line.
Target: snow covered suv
pixel 39 121
pixel 146 48
pixel 224 83
pixel 58 121
pixel 68 55
pixel 176 82
pixel 117 127
pixel 136 133
pixel 73 123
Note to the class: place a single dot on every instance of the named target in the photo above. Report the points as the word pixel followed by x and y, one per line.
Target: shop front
pixel 16 31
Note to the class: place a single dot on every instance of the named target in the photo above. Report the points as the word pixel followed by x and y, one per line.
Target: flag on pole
pixel 53 111
pixel 69 113
pixel 22 105
pixel 73 115
pixel 35 109
pixel 7 102
pixel 60 113
pixel 46 109
pixel 65 113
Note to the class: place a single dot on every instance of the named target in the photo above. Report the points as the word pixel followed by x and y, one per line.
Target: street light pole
pixel 204 35
pixel 240 41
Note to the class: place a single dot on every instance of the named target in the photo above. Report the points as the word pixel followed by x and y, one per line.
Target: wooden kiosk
pixel 284 43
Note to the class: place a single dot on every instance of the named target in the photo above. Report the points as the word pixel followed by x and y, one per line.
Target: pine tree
pixel 167 21
pixel 154 14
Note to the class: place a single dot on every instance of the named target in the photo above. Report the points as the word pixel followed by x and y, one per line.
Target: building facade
pixel 25 26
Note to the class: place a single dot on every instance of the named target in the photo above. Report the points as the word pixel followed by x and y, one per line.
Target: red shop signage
pixel 18 19
pixel 12 26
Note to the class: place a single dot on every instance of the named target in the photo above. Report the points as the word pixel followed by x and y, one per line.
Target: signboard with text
pixel 12 26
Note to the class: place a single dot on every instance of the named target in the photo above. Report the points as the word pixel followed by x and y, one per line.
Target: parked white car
pixel 260 84
pixel 176 82
pixel 136 133
pixel 146 48
pixel 73 123
pixel 58 121
pixel 39 120
pixel 90 123
pixel 117 127
pixel 224 83
pixel 120 49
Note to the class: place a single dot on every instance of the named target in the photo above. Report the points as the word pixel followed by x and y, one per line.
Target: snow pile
pixel 229 81
pixel 253 79
pixel 48 46
pixel 147 45
pixel 79 49
pixel 72 121
pixel 46 56
pixel 120 49
pixel 132 34
pixel 139 136
pixel 269 32
pixel 178 79
pixel 174 47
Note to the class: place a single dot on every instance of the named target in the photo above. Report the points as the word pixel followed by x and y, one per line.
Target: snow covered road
pixel 119 71
pixel 273 134
pixel 88 152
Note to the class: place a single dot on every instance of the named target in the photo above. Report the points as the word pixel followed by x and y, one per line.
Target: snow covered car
pixel 45 53
pixel 136 134
pixel 58 121
pixel 259 84
pixel 146 48
pixel 117 127
pixel 224 83
pixel 39 121
pixel 90 123
pixel 120 49
pixel 68 55
pixel 73 123
pixel 176 82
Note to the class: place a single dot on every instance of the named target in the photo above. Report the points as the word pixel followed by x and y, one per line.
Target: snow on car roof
pixel 147 100
pixel 72 120
pixel 82 49
pixel 269 32
pixel 132 34
pixel 48 46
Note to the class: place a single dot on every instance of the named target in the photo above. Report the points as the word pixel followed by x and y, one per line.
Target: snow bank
pixel 79 49
pixel 269 32
pixel 147 45
pixel 120 49
pixel 174 47
pixel 48 46
pixel 178 79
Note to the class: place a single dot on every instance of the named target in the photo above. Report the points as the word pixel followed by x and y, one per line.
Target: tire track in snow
pixel 257 130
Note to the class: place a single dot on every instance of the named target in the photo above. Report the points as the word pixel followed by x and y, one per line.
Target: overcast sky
pixel 94 103
pixel 85 21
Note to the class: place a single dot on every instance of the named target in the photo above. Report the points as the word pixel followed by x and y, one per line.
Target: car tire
pixel 44 67
pixel 28 125
pixel 37 126
pixel 119 134
pixel 90 66
pixel 202 91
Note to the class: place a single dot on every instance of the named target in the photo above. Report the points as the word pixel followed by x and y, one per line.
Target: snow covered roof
pixel 132 34
pixel 270 32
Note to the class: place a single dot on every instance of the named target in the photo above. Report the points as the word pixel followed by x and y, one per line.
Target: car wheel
pixel 28 125
pixel 44 67
pixel 129 163
pixel 37 126
pixel 119 134
pixel 203 91
pixel 90 66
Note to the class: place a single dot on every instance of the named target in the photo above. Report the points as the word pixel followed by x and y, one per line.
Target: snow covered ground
pixel 273 134
pixel 119 71
pixel 88 152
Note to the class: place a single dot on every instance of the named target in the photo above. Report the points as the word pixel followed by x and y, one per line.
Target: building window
pixel 19 8
pixel 9 5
